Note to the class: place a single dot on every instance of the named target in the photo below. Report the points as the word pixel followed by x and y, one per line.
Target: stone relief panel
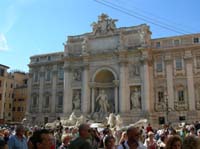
pixel 106 44
pixel 76 100
pixel 135 98
pixel 76 75
pixel 134 70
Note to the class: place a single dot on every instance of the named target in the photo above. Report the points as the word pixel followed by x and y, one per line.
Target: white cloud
pixel 3 43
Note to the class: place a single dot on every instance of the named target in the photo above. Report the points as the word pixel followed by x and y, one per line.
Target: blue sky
pixel 30 27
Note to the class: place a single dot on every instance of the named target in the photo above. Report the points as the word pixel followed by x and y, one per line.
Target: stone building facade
pixel 20 97
pixel 118 70
pixel 6 93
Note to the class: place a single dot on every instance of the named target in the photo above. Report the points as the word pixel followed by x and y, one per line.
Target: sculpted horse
pixel 114 121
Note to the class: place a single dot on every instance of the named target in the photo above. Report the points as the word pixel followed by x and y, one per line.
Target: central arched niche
pixel 104 76
pixel 104 81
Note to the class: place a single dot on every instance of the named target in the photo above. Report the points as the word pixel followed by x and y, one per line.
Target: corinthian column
pixel 67 101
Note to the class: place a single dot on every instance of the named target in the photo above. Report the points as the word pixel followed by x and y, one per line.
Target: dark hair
pixel 172 140
pixel 108 138
pixel 37 137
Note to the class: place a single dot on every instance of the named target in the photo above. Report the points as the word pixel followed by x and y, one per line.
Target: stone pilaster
pixel 85 103
pixel 146 83
pixel 41 88
pixel 28 102
pixel 67 101
pixel 116 82
pixel 170 84
pixel 190 80
pixel 54 82
pixel 123 85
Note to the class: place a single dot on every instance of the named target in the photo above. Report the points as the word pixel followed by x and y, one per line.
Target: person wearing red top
pixel 149 128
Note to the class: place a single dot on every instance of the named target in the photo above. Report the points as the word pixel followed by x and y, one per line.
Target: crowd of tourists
pixel 85 137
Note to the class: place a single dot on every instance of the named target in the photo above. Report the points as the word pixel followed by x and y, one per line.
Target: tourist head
pixel 133 135
pixel 174 142
pixel 191 142
pixel 42 139
pixel 20 130
pixel 84 130
pixel 66 139
pixel 109 142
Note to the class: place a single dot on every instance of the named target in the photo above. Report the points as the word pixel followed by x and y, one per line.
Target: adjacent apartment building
pixel 13 95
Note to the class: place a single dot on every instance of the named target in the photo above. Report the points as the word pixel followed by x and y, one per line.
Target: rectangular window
pixel 178 63
pixel 34 101
pixel 160 96
pixel 198 61
pixel 46 102
pixel 0 83
pixel 159 66
pixel 60 100
pixel 13 108
pixel 182 118
pixel 2 72
pixel 18 109
pixel 36 77
pixel 48 75
pixel 176 42
pixel 61 74
pixel 180 95
pixel 0 96
pixel 157 44
pixel 49 58
pixel 196 40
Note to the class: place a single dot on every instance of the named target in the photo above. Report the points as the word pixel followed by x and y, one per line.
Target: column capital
pixel 116 83
pixel 67 68
pixel 55 72
pixel 92 84
pixel 188 56
pixel 168 58
pixel 42 73
pixel 123 63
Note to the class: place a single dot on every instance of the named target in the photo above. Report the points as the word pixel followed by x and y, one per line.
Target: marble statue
pixel 111 120
pixel 135 99
pixel 102 102
pixel 119 122
pixel 103 25
pixel 85 46
pixel 76 101
pixel 77 75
